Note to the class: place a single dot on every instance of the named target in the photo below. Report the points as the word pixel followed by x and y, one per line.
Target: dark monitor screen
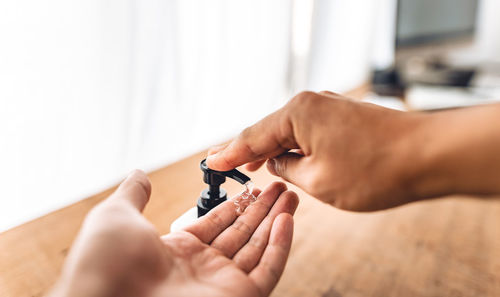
pixel 422 22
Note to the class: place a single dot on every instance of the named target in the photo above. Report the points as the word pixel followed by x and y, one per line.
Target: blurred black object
pixel 387 82
pixel 392 82
pixel 438 73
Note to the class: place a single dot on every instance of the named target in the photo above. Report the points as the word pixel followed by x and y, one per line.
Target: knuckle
pixel 245 264
pixel 215 219
pixel 328 93
pixel 258 242
pixel 306 103
pixel 213 252
pixel 246 132
pixel 244 143
pixel 262 206
pixel 273 273
pixel 302 98
pixel 242 227
pixel 249 150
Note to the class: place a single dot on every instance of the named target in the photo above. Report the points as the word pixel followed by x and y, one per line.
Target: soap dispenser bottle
pixel 209 197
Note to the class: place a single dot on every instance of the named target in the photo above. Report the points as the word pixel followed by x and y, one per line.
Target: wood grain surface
pixel 444 247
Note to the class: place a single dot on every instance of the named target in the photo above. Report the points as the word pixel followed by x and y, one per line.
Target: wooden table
pixel 446 247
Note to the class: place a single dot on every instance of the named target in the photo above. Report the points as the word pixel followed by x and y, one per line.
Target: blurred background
pixel 90 90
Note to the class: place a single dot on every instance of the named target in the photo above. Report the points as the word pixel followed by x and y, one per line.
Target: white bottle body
pixel 188 218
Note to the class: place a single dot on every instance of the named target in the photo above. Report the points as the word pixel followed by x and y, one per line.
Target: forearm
pixel 458 152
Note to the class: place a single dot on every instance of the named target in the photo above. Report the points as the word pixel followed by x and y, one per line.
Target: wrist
pixel 419 150
pixel 431 168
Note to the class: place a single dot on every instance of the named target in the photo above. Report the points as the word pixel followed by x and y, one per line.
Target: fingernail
pixel 213 157
pixel 130 174
pixel 133 172
pixel 216 148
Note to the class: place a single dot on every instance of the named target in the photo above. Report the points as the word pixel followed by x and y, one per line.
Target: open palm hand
pixel 119 253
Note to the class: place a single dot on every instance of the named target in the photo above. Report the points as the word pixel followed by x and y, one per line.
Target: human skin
pixel 119 253
pixel 362 157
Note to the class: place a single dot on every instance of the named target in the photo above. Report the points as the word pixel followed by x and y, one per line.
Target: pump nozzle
pixel 214 195
pixel 212 177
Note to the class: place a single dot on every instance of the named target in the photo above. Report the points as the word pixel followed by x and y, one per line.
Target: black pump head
pixel 214 195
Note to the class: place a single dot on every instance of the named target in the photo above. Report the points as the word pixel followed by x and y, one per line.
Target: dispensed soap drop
pixel 245 198
pixel 215 195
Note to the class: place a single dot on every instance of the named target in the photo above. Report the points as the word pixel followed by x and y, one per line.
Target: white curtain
pixel 92 89
pixel 202 70
pixel 341 44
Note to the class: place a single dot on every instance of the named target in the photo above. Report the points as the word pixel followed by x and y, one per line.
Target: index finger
pixel 268 138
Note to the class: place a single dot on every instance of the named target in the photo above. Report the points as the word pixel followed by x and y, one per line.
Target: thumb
pixel 291 167
pixel 135 189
